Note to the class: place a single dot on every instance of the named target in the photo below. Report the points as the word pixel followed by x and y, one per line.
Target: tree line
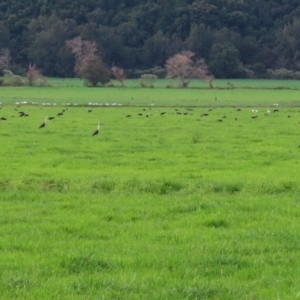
pixel 235 38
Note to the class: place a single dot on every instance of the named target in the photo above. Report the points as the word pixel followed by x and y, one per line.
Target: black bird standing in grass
pixel 43 124
pixel 97 130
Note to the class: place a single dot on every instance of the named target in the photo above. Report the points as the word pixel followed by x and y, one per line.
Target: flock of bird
pixel 189 111
pixel 23 114
pixel 148 112
pixel 60 114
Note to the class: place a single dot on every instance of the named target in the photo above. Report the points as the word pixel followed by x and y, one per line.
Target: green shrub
pixel 148 80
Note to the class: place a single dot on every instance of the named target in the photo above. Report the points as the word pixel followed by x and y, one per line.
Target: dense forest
pixel 237 38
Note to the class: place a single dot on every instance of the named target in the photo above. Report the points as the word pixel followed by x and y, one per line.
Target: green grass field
pixel 245 93
pixel 173 206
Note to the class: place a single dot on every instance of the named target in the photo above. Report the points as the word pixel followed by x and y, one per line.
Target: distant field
pixel 218 83
pixel 164 203
pixel 262 93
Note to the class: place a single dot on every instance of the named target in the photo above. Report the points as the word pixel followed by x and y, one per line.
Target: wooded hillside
pixel 237 38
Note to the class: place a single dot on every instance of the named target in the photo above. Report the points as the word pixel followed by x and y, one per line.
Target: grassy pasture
pixel 164 207
pixel 245 93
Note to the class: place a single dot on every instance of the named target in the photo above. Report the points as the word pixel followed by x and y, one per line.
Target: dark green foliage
pixel 47 47
pixel 142 34
pixel 225 61
pixel 95 72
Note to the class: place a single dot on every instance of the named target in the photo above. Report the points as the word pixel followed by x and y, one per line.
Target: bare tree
pixel 119 74
pixel 32 74
pixel 5 59
pixel 184 67
pixel 83 51
pixel 201 72
pixel 180 66
pixel 34 77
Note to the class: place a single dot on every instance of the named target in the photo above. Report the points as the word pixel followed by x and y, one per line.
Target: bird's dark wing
pixel 96 132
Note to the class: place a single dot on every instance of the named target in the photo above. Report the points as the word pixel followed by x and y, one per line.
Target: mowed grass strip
pixel 158 207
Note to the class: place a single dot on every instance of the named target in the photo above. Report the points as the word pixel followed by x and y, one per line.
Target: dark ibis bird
pixel 60 114
pixel 128 116
pixel 3 119
pixel 97 130
pixel 44 124
pixel 51 118
pixel 162 113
